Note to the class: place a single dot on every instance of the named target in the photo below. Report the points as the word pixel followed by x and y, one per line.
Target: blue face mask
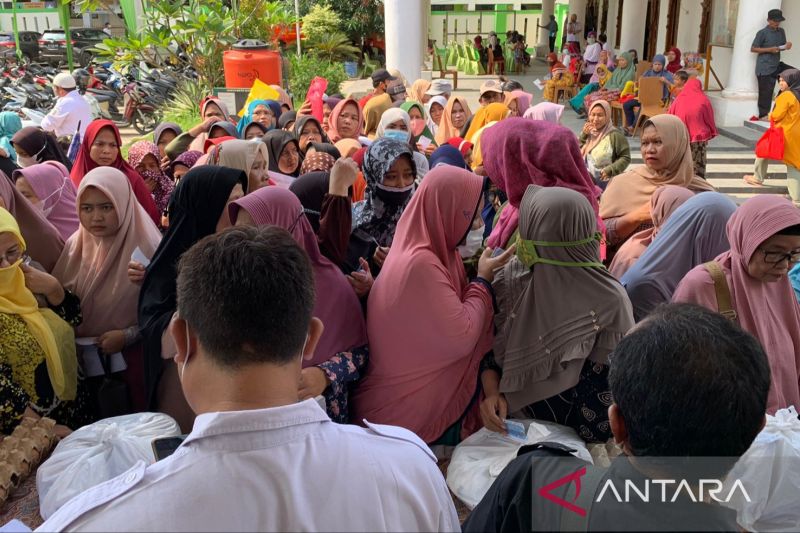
pixel 397 135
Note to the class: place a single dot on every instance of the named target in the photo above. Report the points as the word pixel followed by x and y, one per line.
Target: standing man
pixel 380 82
pixel 70 111
pixel 574 31
pixel 107 29
pixel 552 30
pixel 768 44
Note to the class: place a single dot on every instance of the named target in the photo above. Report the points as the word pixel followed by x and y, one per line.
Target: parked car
pixel 53 45
pixel 28 44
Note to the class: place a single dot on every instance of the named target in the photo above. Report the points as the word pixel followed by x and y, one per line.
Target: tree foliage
pixel 320 22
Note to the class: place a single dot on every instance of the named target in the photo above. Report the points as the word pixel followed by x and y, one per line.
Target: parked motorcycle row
pixel 131 99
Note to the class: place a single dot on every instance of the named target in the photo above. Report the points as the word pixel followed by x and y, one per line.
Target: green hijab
pixel 407 105
pixel 621 76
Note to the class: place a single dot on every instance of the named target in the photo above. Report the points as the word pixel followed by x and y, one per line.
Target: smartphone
pixel 164 447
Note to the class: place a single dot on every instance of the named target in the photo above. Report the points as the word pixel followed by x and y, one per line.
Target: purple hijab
pixel 50 181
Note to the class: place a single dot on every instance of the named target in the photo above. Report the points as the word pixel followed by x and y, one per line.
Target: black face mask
pixel 394 197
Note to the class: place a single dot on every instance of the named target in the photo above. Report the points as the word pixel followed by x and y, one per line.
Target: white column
pixel 611 28
pixel 634 13
pixel 404 21
pixel 578 7
pixel 752 16
pixel 548 7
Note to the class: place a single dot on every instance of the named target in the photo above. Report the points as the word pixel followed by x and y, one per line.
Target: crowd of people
pixel 462 267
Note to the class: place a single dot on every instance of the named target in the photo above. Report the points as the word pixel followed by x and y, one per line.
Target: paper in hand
pixel 539 84
pixel 139 257
pixel 424 142
pixel 516 431
pixel 91 358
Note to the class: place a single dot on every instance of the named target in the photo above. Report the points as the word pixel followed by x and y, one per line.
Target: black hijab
pixel 327 148
pixel 276 141
pixel 194 210
pixel 301 122
pixel 287 117
pixel 792 79
pixel 311 189
pixel 40 145
pixel 227 127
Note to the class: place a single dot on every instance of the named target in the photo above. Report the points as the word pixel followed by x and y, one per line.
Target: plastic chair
pixel 651 100
pixel 438 64
pixel 461 64
pixel 452 54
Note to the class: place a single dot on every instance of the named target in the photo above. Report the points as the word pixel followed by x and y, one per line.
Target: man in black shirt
pixel 690 392
pixel 768 43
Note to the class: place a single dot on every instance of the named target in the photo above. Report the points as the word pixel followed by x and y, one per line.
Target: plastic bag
pixel 770 473
pixel 479 459
pixel 96 453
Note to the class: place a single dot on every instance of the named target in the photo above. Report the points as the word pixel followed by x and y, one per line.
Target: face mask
pixel 57 193
pixel 186 359
pixel 472 244
pixel 591 40
pixel 392 195
pixel 26 161
pixel 417 126
pixel 397 135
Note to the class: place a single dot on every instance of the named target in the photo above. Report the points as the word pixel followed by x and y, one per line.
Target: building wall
pixel 33 22
pixel 791 10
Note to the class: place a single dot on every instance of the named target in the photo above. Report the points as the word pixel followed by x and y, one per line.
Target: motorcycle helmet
pixel 82 78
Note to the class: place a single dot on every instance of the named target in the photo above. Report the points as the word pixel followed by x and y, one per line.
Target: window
pixel 531 7
pixel 484 7
pixel 437 9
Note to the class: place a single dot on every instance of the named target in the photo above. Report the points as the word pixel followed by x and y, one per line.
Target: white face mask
pixel 591 40
pixel 26 161
pixel 472 243
pixel 57 194
pixel 397 135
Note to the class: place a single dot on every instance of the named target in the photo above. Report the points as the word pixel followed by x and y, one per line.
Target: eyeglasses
pixel 11 256
pixel 776 258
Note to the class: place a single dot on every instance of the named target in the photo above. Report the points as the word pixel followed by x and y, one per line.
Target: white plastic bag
pixel 96 453
pixel 770 473
pixel 479 459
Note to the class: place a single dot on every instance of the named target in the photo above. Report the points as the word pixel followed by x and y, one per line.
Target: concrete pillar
pixel 404 21
pixel 548 8
pixel 752 16
pixel 634 15
pixel 611 29
pixel 578 7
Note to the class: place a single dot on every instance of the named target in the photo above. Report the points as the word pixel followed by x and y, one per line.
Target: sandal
pixel 751 180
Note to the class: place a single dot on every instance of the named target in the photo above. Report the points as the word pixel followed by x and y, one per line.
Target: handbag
pixel 722 291
pixel 112 394
pixel 771 144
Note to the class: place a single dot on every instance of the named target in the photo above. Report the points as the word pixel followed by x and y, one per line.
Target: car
pixel 53 45
pixel 28 44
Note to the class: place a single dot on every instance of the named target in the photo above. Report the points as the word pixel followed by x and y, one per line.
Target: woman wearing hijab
pixel 287 120
pixel 764 235
pixel 455 115
pixel 546 111
pixel 307 130
pixel 663 203
pixel 144 157
pixel 560 78
pixel 94 266
pixel 248 156
pixel 396 124
pixel 625 204
pixel 267 112
pixel 347 120
pixel 694 109
pixel 551 362
pixel 491 113
pixel 786 115
pixel 417 91
pixel 693 235
pixel 165 133
pixel 38 363
pixel 523 152
pixel 212 110
pixel 418 126
pixel 317 162
pixel 518 102
pixel 10 124
pixel 44 242
pixel 347 147
pixel 434 110
pixel 624 73
pixel 198 209
pixel 47 186
pixel 223 128
pixel 183 164
pixel 604 148
pixel 101 148
pixel 674 60
pixel 373 112
pixel 283 153
pixel 284 98
pixel 33 146
pixel 656 71
pixel 341 354
pixel 448 155
pixel 426 382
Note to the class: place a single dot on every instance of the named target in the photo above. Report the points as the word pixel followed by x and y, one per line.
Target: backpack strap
pixel 571 521
pixel 723 291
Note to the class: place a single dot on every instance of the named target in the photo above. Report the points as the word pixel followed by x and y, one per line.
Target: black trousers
pixel 766 88
pixel 552 44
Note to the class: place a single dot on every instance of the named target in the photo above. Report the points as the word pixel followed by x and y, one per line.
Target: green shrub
pixel 306 68
pixel 320 21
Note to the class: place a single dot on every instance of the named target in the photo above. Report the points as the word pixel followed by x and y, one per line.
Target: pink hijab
pixel 663 203
pixel 336 303
pixel 768 310
pixel 50 181
pixel 96 268
pixel 521 152
pixel 545 111
pixel 429 328
pixel 333 133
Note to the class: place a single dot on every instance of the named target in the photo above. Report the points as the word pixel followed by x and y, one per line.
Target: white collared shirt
pixel 69 110
pixel 287 468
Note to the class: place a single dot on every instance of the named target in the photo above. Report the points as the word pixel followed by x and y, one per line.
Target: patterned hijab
pixel 317 162
pixel 163 184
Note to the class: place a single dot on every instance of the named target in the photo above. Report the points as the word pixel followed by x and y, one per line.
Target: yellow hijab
pixel 53 334
pixel 491 113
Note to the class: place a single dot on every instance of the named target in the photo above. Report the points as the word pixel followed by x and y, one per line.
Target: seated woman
pixel 625 204
pixel 427 382
pixel 144 157
pixel 604 148
pixel 551 362
pixel 248 156
pixel 36 146
pixel 625 72
pixel 434 110
pixel 341 354
pixel 560 78
pixel 308 130
pixel 522 152
pixel 44 242
pixel 674 60
pixel 94 267
pixel 346 121
pixel 664 201
pixel 198 209
pixel 657 70
pixel 764 235
pixel 483 52
pixel 694 234
pixel 212 110
pixel 283 153
pixel 518 102
pixel 38 365
pixel 266 112
pixel 165 133
pixel 101 148
pixel 47 186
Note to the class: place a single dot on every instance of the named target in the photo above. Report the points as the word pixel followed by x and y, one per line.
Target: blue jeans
pixel 577 102
pixel 630 116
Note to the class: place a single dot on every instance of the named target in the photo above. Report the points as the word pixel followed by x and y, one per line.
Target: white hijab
pixel 442 101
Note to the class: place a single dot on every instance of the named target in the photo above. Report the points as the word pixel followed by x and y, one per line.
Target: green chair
pixel 472 64
pixel 511 61
pixel 461 64
pixel 452 54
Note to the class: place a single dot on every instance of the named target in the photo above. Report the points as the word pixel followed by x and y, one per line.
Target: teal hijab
pixel 621 76
pixel 245 121
pixel 10 124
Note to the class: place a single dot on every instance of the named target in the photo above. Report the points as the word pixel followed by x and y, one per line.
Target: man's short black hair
pixel 602 38
pixel 690 383
pixel 248 293
pixel 682 75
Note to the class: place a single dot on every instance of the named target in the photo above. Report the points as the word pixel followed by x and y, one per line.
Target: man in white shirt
pixel 258 459
pixel 70 109
pixel 574 31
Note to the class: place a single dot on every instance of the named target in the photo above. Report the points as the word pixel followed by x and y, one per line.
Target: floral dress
pixel 342 370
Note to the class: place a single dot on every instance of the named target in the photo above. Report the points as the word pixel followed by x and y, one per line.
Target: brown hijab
pixel 630 190
pixel 593 140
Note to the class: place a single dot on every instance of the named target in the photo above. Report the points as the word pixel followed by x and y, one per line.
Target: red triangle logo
pixel 576 476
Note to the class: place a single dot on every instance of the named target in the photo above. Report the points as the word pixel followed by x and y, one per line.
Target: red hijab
pixel 84 163
pixel 674 66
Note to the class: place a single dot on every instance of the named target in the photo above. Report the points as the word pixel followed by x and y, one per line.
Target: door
pixel 705 27
pixel 651 29
pixel 673 17
pixel 604 17
pixel 618 38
